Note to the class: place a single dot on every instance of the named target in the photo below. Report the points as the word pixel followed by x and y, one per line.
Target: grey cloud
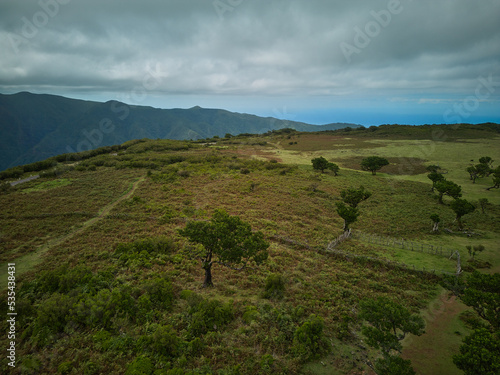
pixel 267 47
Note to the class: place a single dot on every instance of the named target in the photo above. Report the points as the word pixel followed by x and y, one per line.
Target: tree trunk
pixel 346 226
pixel 208 276
pixel 207 266
pixel 441 198
pixel 435 228
pixel 459 221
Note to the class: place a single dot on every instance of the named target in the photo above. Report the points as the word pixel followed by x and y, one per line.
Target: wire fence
pixel 331 248
pixel 401 243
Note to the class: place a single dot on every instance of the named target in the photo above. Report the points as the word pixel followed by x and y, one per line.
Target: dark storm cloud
pixel 244 47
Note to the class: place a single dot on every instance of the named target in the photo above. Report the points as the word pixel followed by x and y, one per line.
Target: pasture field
pixel 86 307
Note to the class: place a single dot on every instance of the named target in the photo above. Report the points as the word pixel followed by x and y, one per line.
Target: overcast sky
pixel 319 61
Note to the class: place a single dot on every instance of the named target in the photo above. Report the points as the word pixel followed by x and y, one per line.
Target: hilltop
pixel 105 283
pixel 37 126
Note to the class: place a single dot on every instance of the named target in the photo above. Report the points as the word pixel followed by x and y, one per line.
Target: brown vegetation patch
pixel 319 141
pixel 256 153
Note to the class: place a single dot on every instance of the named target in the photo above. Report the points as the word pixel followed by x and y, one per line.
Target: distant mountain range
pixel 35 127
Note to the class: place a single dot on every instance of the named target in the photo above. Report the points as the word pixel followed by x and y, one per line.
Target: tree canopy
pixel 461 207
pixel 225 240
pixel 348 213
pixel 388 324
pixel 355 196
pixel 479 354
pixel 496 179
pixel 450 188
pixel 321 164
pixel 482 293
pixel 373 163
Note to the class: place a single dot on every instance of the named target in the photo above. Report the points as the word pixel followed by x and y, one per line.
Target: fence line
pixel 350 256
pixel 401 243
pixel 344 236
pixel 331 249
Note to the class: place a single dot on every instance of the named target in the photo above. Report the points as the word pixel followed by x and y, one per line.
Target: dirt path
pixel 29 261
pixel 432 352
pixel 14 183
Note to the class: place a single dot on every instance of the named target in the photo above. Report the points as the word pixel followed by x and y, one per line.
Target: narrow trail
pixel 29 261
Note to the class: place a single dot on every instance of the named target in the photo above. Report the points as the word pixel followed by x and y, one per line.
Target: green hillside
pixel 105 283
pixel 36 126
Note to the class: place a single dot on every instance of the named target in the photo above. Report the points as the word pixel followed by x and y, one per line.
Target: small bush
pixel 160 293
pixel 308 340
pixel 251 313
pixel 140 366
pixel 275 287
pixel 244 171
pixel 209 315
pixel 5 187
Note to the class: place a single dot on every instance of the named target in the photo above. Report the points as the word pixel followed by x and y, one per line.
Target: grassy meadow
pixel 87 306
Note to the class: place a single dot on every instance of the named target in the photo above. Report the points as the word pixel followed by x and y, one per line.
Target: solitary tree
pixel 225 240
pixel 373 163
pixel 449 188
pixel 435 222
pixel 348 213
pixel 461 207
pixel 435 177
pixel 478 170
pixel 388 324
pixel 355 196
pixel 321 164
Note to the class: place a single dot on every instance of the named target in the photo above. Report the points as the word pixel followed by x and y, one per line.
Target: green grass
pixel 48 185
pixel 432 352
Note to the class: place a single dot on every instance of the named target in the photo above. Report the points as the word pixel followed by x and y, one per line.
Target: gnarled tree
pixel 225 240
pixel 461 207
pixel 355 196
pixel 435 177
pixel 373 163
pixel 348 213
pixel 388 324
pixel 449 188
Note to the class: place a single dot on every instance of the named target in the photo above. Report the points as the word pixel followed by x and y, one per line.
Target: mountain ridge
pixel 35 127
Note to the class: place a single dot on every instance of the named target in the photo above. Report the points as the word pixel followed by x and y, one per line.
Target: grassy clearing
pixel 432 352
pixel 48 185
